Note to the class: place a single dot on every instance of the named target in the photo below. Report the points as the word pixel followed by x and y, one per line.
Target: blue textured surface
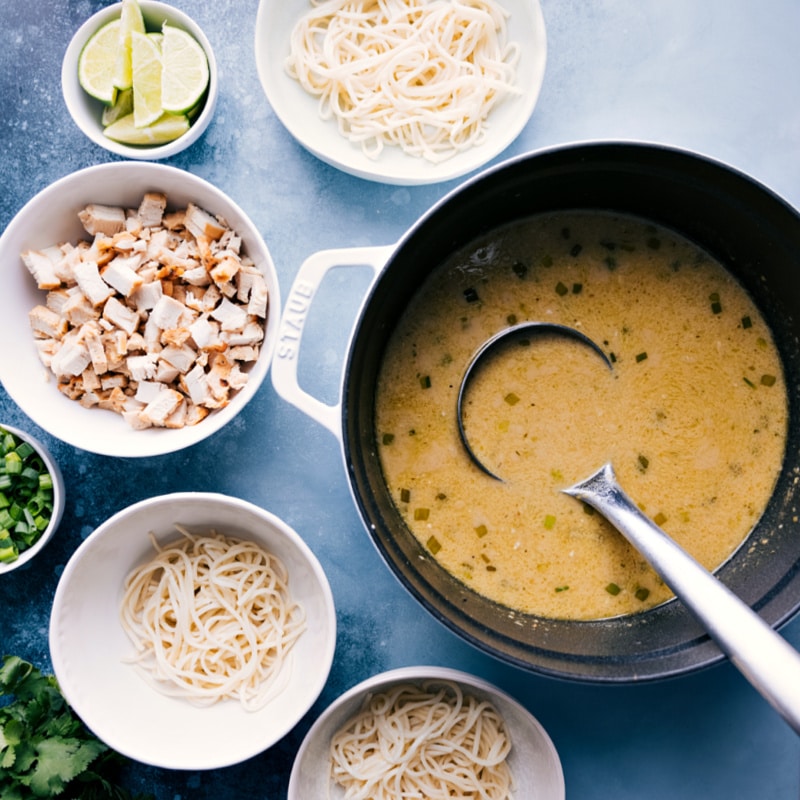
pixel 721 77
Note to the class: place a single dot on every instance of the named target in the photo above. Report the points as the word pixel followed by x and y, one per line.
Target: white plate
pixel 88 645
pixel 297 110
pixel 533 760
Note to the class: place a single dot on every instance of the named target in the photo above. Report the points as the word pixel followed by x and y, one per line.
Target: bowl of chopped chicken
pixel 140 309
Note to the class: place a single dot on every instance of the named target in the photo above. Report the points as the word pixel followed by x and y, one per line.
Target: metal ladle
pixel 764 657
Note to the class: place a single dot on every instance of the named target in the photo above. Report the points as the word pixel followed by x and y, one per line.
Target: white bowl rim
pixel 209 759
pixel 297 110
pixel 58 498
pixel 418 674
pixel 150 174
pixel 78 102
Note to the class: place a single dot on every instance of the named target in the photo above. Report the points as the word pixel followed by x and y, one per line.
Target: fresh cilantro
pixel 45 749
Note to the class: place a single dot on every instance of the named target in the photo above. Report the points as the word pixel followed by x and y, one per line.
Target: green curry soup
pixel 692 412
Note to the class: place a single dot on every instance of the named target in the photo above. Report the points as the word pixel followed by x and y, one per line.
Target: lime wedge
pixel 146 61
pixel 130 20
pixel 184 77
pixel 121 107
pixel 165 129
pixel 96 62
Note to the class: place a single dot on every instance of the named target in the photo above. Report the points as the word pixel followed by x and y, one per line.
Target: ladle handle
pixel 764 657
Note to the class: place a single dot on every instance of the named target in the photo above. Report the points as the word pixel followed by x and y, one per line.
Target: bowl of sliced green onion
pixel 31 497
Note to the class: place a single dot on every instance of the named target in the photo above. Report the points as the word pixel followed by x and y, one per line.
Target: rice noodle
pixel 211 618
pixel 420 74
pixel 430 741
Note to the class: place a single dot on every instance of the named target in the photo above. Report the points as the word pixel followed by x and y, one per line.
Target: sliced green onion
pixel 434 545
pixel 613 589
pixel 26 496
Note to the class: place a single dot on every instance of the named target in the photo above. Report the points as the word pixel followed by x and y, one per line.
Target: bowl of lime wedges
pixel 140 79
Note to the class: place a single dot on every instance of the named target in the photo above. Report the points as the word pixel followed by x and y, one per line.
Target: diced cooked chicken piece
pixel 120 273
pixel 78 309
pixel 133 418
pixel 182 358
pixel 237 379
pixel 195 384
pixel 91 383
pixel 245 353
pixel 42 268
pixel 91 336
pixel 136 343
pixel 143 367
pixel 252 333
pixel 87 275
pixel 56 298
pixel 206 335
pixel 173 220
pixel 97 218
pixel 166 312
pixel 200 223
pixel 124 242
pixel 165 372
pixel 113 380
pixel 147 295
pixel 147 391
pixel 116 400
pixel 197 277
pixel 46 323
pixel 151 209
pixel 65 266
pixel 230 240
pixel 230 316
pixel 177 419
pixel 259 297
pixel 46 348
pixel 195 414
pixel 210 298
pixel 225 270
pixel 72 357
pixel 161 407
pixel 121 316
pixel 89 398
pixel 151 334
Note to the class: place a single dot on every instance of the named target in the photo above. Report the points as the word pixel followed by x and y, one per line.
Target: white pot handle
pixel 295 313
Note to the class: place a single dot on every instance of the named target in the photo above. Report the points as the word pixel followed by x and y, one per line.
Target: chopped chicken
pixel 157 316
pixel 97 218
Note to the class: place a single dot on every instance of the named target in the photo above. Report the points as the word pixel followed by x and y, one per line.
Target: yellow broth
pixel 692 412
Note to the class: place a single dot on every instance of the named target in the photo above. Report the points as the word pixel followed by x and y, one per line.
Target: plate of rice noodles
pixel 402 91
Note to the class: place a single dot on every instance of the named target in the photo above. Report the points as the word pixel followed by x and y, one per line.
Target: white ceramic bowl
pixel 533 760
pixel 299 111
pixel 86 111
pixel 58 499
pixel 51 217
pixel 88 644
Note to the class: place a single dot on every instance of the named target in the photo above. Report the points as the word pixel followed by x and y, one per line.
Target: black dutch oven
pixel 748 228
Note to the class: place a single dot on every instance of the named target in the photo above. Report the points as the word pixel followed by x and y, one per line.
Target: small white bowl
pixel 51 217
pixel 533 759
pixel 86 111
pixel 88 645
pixel 58 499
pixel 299 111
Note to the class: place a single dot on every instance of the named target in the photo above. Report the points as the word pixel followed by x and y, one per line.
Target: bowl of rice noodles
pixel 192 630
pixel 426 731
